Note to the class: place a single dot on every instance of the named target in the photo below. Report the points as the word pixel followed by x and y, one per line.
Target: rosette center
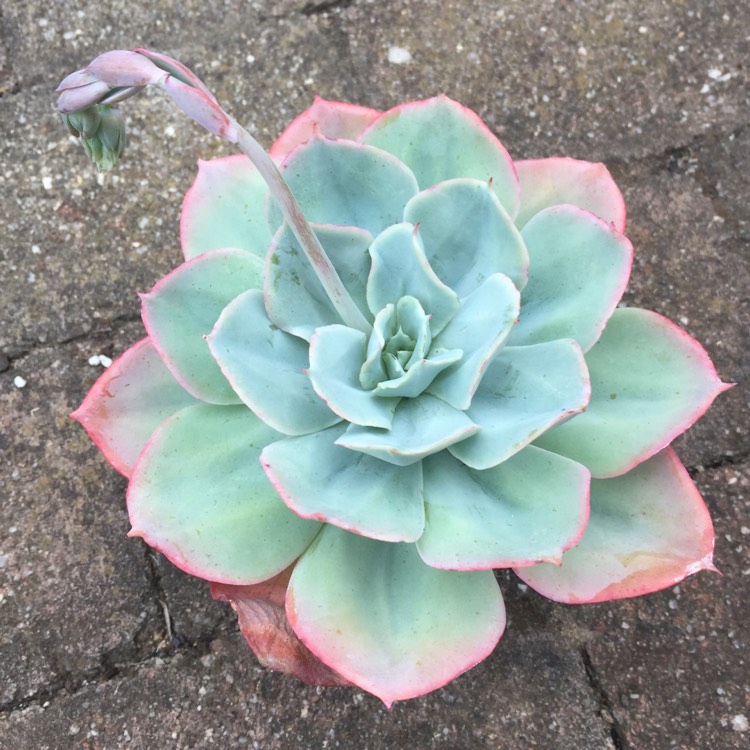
pixel 401 359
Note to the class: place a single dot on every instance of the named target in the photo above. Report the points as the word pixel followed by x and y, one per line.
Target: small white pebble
pixel 19 382
pixel 36 249
pixel 104 360
pixel 169 131
pixel 643 29
pixel 523 588
pixel 739 723
pixel 47 182
pixel 94 360
pixel 398 55
pixel 582 51
pixel 625 626
pixel 250 59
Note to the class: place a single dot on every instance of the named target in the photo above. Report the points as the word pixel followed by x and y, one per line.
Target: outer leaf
pixel 375 613
pixel 438 139
pixel 532 507
pixel 482 323
pixel 295 298
pixel 336 357
pixel 318 479
pixel 266 367
pixel 262 618
pixel 550 182
pixel 421 426
pixel 648 530
pixel 525 391
pixel 579 270
pixel 184 306
pixel 199 495
pixel 330 119
pixel 345 183
pixel 224 208
pixel 399 269
pixel 468 235
pixel 649 382
pixel 131 398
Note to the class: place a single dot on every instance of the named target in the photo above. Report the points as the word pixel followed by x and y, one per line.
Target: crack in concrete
pixel 720 462
pixel 314 9
pixel 606 710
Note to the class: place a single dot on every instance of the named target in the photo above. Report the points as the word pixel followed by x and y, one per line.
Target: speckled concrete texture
pixel 103 644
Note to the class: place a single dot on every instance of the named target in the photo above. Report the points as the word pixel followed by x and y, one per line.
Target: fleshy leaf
pixel 184 306
pixel 421 426
pixel 262 619
pixel 530 508
pixel 400 268
pixel 649 382
pixel 199 495
pixel 468 235
pixel 336 357
pixel 131 398
pixel 224 207
pixel 318 479
pixel 579 269
pixel 525 391
pixel 330 119
pixel 379 616
pixel 648 529
pixel 266 367
pixel 346 183
pixel 588 185
pixel 295 298
pixel 439 139
pixel 480 326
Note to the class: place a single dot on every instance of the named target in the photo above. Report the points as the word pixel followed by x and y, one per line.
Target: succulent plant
pixel 386 368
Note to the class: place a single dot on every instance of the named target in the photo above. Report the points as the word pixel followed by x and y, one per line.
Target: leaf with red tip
pixel 551 182
pixel 131 398
pixel 532 507
pixel 579 268
pixel 330 119
pixel 649 382
pixel 379 616
pixel 182 309
pixel 439 139
pixel 199 495
pixel 224 208
pixel 262 619
pixel 648 529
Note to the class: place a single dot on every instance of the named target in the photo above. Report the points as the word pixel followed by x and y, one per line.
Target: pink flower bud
pixel 81 97
pixel 125 68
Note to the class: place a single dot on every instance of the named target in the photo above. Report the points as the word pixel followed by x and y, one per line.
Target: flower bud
pixel 102 132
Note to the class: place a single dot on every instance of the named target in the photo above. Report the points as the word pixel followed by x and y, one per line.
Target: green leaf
pixel 336 357
pixel 479 328
pixel 131 398
pixel 647 531
pixel 346 183
pixel 649 382
pixel 551 182
pixel 421 426
pixel 468 235
pixel 438 139
pixel 400 269
pixel 180 311
pixel 579 269
pixel 318 479
pixel 532 507
pixel 295 298
pixel 199 495
pixel 525 391
pixel 266 368
pixel 375 613
pixel 224 208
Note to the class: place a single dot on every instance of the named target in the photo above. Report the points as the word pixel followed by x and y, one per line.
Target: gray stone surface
pixel 103 645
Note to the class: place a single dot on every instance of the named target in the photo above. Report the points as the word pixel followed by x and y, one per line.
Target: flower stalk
pixel 118 75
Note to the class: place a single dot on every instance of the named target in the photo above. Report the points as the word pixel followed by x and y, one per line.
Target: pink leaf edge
pixel 264 624
pixel 334 120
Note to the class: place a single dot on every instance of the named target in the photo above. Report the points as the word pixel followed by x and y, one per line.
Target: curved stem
pixel 302 230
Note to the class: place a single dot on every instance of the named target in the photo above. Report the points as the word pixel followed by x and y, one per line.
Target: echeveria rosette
pixel 351 491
